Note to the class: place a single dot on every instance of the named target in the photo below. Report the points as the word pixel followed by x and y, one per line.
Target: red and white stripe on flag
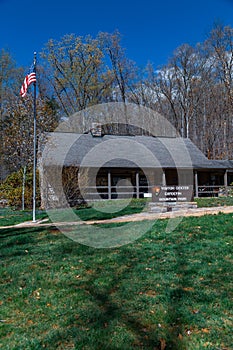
pixel 29 79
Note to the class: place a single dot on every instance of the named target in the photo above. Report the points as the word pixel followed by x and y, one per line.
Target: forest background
pixel 193 90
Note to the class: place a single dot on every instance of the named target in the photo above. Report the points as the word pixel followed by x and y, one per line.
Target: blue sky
pixel 151 30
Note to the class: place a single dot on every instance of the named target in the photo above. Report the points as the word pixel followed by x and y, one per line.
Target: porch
pixel 134 183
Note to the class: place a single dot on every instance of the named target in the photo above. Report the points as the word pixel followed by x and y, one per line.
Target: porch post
pixel 109 185
pixel 225 181
pixel 164 178
pixel 196 183
pixel 137 184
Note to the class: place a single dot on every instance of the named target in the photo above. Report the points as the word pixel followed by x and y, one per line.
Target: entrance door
pixel 171 177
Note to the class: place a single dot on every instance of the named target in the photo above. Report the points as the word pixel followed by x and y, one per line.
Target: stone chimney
pixel 96 129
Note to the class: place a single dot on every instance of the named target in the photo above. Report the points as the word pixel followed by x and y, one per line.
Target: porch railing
pixel 113 192
pixel 214 191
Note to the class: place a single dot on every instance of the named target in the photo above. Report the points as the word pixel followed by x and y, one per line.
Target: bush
pixel 230 191
pixel 11 189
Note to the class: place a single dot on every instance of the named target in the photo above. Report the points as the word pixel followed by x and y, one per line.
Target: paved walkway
pixel 130 218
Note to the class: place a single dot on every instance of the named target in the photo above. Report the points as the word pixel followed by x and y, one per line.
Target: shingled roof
pixel 126 152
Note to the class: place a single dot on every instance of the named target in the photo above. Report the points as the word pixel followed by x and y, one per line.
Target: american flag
pixel 30 78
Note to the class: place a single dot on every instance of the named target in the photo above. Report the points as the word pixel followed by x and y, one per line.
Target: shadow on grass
pixel 11 232
pixel 110 303
pixel 106 311
pixel 111 312
pixel 110 307
pixel 145 337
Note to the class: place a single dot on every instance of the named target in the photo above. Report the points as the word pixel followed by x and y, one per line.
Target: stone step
pixel 173 206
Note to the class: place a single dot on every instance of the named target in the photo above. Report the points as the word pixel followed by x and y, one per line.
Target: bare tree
pixel 219 46
pixel 76 72
pixel 124 70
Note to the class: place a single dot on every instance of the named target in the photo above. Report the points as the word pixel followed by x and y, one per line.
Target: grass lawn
pixel 213 202
pixel 9 216
pixel 164 291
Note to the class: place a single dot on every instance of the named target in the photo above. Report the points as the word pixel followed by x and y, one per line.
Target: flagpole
pixel 34 147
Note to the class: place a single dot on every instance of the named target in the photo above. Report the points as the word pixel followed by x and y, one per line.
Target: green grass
pixel 213 202
pixel 9 216
pixel 164 291
pixel 114 209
